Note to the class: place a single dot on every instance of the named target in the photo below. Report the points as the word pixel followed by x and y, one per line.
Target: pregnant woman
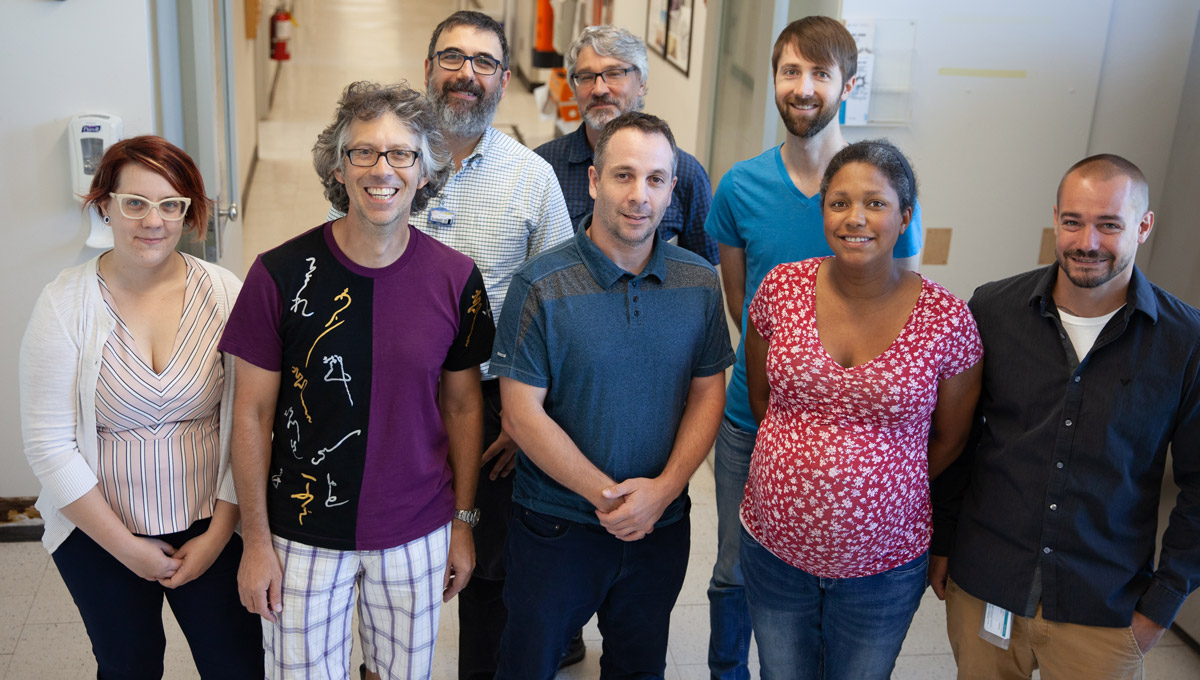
pixel 864 377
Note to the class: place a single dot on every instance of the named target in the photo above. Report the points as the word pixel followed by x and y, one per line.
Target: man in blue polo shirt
pixel 608 72
pixel 612 359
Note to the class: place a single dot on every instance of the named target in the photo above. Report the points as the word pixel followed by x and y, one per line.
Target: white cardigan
pixel 59 369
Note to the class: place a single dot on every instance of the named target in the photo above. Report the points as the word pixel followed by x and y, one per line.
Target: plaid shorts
pixel 399 601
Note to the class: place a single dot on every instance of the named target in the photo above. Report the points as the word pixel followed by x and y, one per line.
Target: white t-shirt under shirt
pixel 1083 330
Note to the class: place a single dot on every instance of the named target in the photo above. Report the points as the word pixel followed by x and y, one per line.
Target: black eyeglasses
pixel 480 63
pixel 397 158
pixel 612 76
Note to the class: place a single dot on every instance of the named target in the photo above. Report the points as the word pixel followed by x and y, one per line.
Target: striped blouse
pixel 159 446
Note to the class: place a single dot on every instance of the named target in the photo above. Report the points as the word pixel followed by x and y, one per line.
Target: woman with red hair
pixel 126 414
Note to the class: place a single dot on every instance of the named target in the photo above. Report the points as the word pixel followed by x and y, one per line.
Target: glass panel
pixel 737 117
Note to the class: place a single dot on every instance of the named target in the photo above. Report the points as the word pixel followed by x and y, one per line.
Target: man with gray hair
pixel 500 206
pixel 608 72
pixel 358 427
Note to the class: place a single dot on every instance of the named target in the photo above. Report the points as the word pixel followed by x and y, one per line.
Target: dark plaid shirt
pixel 571 156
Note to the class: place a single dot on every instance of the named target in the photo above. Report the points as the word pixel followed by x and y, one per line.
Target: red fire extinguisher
pixel 281 32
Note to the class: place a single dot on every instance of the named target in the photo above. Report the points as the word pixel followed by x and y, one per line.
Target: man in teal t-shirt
pixel 767 211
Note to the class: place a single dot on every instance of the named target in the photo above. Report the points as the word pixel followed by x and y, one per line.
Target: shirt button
pixel 1054 506
pixel 1069 423
pixel 1076 378
pixel 1058 465
pixel 637 312
pixel 1047 550
pixel 635 298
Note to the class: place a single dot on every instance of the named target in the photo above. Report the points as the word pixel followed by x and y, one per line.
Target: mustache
pixel 805 101
pixel 1085 254
pixel 467 86
pixel 602 99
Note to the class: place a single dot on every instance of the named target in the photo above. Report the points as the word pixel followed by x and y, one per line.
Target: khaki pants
pixel 1063 651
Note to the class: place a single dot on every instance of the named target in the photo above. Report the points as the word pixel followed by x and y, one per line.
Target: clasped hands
pixel 633 507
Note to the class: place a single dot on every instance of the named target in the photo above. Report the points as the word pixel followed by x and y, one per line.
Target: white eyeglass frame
pixel 152 205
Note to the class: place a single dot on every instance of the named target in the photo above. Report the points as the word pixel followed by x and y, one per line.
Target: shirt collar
pixel 578 149
pixel 1139 297
pixel 606 272
pixel 481 147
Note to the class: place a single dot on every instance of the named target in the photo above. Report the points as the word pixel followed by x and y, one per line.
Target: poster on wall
pixel 669 31
pixel 854 109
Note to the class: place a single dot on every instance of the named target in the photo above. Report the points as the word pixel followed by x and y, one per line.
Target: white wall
pixel 59 59
pixel 1141 87
pixel 1176 251
pixel 676 98
pixel 989 151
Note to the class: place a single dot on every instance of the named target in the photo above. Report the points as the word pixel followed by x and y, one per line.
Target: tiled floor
pixel 41 635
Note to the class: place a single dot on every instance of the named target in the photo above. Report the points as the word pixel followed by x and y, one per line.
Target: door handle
pixel 231 213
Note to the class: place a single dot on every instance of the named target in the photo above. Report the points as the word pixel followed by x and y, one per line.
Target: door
pixel 207 117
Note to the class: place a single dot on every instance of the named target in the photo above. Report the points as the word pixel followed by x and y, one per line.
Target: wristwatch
pixel 471 517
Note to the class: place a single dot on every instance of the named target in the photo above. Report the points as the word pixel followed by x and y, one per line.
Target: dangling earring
pixel 106 219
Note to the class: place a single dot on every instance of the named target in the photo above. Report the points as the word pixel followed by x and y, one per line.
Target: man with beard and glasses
pixel 1091 372
pixel 608 72
pixel 501 206
pixel 612 362
pixel 767 211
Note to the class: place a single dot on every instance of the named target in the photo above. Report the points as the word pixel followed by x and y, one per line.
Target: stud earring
pixel 106 219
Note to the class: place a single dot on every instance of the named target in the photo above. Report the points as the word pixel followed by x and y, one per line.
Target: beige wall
pixel 45 81
pixel 671 95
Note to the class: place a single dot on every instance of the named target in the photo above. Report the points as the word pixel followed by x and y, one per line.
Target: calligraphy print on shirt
pixel 320 433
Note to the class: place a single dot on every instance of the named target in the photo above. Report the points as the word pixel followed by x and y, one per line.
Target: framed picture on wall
pixel 669 31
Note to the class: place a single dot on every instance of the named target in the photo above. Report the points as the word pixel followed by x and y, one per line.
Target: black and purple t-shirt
pixel 358 460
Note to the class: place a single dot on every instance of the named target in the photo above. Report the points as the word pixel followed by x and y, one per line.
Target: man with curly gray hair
pixel 350 470
pixel 607 70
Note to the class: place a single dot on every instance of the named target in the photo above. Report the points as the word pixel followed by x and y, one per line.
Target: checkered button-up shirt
pixel 505 207
pixel 571 156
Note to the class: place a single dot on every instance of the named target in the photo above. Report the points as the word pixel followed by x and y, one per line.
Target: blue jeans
pixel 561 572
pixel 729 617
pixel 811 627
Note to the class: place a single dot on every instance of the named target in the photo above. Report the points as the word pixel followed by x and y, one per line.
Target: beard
pixel 597 119
pixel 802 127
pixel 459 118
pixel 1092 278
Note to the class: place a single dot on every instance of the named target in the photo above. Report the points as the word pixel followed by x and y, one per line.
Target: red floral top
pixel 839 479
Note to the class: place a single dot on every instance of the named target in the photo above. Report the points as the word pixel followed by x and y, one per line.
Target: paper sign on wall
pixel 854 109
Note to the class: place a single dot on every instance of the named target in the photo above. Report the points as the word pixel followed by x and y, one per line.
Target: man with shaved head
pixel 1044 530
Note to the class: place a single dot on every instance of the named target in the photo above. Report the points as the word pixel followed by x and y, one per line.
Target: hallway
pixel 336 42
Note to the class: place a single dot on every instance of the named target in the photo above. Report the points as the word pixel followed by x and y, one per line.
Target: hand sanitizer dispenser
pixel 90 135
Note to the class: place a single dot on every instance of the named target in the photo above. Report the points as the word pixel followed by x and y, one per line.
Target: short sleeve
pixel 961 346
pixel 762 306
pixel 252 331
pixel 520 351
pixel 720 222
pixel 910 242
pixel 717 354
pixel 473 344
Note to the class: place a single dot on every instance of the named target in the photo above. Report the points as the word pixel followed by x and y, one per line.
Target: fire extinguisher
pixel 281 32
